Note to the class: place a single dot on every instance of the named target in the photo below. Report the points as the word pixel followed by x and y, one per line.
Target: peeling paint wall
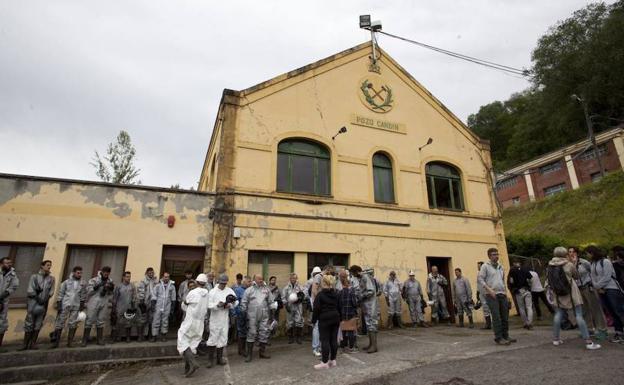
pixel 61 213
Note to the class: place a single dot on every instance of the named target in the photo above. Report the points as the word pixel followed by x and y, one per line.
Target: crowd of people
pixel 579 292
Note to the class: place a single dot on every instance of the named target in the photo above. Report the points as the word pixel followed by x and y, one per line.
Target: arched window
pixel 382 178
pixel 303 166
pixel 444 187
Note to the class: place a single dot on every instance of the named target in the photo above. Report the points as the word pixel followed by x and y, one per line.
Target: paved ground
pixel 442 355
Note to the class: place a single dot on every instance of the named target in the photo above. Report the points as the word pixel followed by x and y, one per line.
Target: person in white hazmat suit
pixel 220 300
pixel 190 332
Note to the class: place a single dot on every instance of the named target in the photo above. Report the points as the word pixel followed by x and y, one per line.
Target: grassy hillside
pixel 593 214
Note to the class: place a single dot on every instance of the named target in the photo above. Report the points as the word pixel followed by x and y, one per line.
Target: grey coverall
pixel 462 296
pixel 481 295
pixel 255 304
pixel 162 297
pixel 8 284
pixel 40 290
pixel 370 304
pixel 72 294
pixel 294 311
pixel 144 297
pixel 412 292
pixel 124 298
pixel 98 302
pixel 392 291
pixel 435 292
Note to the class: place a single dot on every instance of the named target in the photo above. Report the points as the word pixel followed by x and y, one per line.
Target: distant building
pixel 564 169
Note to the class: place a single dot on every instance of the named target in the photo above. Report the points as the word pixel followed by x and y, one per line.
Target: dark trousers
pixel 329 341
pixel 613 299
pixel 499 309
pixel 348 339
pixel 537 295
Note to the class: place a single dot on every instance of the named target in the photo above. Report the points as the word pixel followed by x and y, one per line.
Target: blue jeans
pixel 580 322
pixel 316 338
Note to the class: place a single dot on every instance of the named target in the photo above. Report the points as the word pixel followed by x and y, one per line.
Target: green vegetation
pixel 593 214
pixel 582 55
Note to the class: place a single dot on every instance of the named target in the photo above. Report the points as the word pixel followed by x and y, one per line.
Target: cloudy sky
pixel 74 73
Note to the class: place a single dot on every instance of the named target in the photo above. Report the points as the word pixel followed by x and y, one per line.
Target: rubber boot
pixel 2 350
pixel 422 324
pixel 211 355
pixel 291 335
pixel 373 343
pixel 33 340
pixel 26 344
pixel 390 321
pixel 488 323
pixel 189 357
pixel 115 335
pixel 470 322
pixel 128 334
pixel 163 337
pixel 370 343
pixel 298 334
pixel 241 346
pixel 57 338
pixel 262 351
pixel 250 346
pixel 461 321
pixel 140 336
pixel 220 360
pixel 85 336
pixel 100 336
pixel 70 337
pixel 399 322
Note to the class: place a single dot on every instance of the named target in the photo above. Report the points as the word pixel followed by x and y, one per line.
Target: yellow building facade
pixel 407 186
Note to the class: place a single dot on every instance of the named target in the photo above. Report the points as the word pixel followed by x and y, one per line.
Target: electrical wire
pixel 501 67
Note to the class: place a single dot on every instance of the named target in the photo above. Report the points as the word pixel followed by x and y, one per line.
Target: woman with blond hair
pixel 327 313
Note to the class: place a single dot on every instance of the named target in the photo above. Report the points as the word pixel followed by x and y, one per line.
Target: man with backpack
pixel 519 283
pixel 369 290
pixel 561 284
pixel 492 279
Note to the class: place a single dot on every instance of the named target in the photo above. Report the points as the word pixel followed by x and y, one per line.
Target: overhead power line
pixel 486 63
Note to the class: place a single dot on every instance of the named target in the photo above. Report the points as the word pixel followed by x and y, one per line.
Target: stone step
pixel 42 372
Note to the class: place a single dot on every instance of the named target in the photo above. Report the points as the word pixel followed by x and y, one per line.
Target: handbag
pixel 348 325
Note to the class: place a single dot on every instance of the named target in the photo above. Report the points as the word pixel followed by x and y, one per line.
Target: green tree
pixel 117 166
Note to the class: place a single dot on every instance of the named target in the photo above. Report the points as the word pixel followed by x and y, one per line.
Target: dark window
pixel 303 167
pixel 268 263
pixel 506 183
pixel 26 260
pixel 515 201
pixel 382 178
pixel 553 190
pixel 552 167
pixel 339 261
pixel 591 154
pixel 595 177
pixel 444 187
pixel 93 258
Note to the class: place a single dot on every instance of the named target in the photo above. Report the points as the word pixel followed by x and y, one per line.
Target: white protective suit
pixel 219 316
pixel 192 328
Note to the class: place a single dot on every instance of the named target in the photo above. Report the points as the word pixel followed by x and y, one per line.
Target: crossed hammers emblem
pixel 377 94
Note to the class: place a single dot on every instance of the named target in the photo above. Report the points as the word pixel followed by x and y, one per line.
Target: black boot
pixel 2 350
pixel 373 342
pixel 250 346
pixel 191 362
pixel 370 342
pixel 70 337
pixel 291 336
pixel 220 360
pixel 262 351
pixel 390 321
pixel 470 322
pixel 57 338
pixel 33 340
pixel 241 346
pixel 211 354
pixel 140 336
pixel 115 335
pixel 85 336
pixel 488 323
pixel 128 334
pixel 298 334
pixel 26 344
pixel 100 336
pixel 163 337
pixel 399 323
pixel 461 320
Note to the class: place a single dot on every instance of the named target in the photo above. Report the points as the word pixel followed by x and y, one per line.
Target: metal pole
pixel 592 138
pixel 373 44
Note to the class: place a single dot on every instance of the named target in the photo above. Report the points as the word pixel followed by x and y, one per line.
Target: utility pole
pixel 590 132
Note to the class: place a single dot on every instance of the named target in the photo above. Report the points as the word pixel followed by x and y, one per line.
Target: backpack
pixel 558 280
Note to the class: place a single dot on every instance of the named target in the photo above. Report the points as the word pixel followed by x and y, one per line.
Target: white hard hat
pixel 202 278
pixel 292 298
pixel 81 316
pixel 316 270
pixel 411 272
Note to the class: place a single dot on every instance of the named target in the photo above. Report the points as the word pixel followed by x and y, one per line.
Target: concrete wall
pixel 59 213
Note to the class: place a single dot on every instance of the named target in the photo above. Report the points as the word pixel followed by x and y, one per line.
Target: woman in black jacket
pixel 327 313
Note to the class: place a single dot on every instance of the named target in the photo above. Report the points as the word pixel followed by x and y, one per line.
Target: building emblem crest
pixel 376 95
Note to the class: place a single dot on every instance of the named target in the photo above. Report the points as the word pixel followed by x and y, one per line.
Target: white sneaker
pixel 558 342
pixel 593 346
pixel 316 353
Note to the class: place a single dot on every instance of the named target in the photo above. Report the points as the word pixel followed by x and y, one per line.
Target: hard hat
pixel 202 278
pixel 129 314
pixel 292 298
pixel 230 298
pixel 411 272
pixel 316 270
pixel 273 325
pixel 300 296
pixel 81 316
pixel 223 278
